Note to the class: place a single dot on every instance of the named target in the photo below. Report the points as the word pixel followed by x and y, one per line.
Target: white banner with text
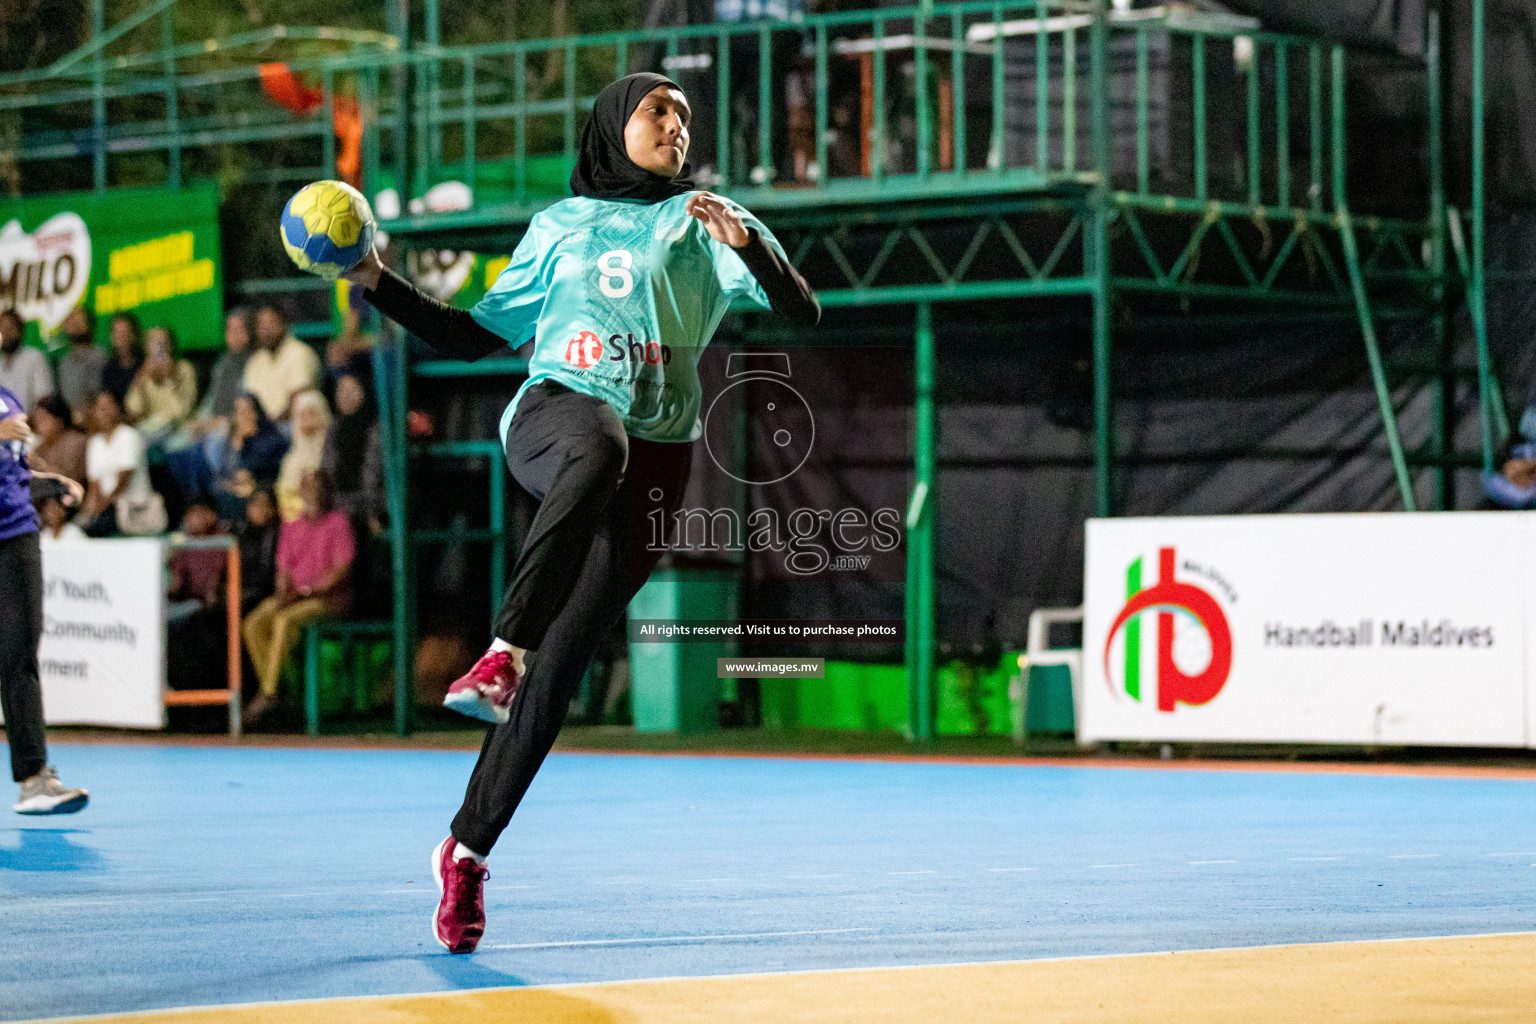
pixel 102 658
pixel 1387 628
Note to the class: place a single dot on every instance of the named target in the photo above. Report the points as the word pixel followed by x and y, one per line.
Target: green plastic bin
pixel 674 687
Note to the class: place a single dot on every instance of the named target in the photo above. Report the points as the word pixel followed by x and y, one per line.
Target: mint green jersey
pixel 620 299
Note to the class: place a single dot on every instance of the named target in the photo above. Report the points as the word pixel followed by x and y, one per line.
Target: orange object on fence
pixel 229 695
pixel 280 83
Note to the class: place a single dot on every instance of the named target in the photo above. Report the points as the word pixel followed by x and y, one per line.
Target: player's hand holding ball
pixel 328 229
pixel 720 219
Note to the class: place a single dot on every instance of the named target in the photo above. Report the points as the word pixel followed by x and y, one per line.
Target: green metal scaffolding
pixel 1086 224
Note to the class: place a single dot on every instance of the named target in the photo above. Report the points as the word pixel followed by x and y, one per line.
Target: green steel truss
pixel 1072 209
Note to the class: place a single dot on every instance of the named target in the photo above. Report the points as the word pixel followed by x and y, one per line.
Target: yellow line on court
pixel 1481 979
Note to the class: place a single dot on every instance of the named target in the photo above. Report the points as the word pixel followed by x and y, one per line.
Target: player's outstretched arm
pixel 788 293
pixel 453 332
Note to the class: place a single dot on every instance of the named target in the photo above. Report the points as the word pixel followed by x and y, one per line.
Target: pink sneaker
pixel 486 691
pixel 460 918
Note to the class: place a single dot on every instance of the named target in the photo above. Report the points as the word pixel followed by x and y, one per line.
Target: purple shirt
pixel 16 513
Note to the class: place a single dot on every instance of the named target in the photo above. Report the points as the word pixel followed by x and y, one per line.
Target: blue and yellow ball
pixel 327 228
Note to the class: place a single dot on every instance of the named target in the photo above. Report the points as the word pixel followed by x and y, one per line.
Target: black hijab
pixel 346 445
pixel 603 168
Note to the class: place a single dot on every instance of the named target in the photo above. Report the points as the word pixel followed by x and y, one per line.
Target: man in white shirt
pixel 23 370
pixel 280 367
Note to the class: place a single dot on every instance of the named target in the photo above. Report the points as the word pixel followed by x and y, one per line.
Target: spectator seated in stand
pixel 23 369
pixel 280 367
pixel 192 466
pixel 56 517
pixel 81 364
pixel 353 458
pixel 251 458
pixel 314 580
pixel 118 498
pixel 258 549
pixel 163 393
pixel 197 576
pixel 196 622
pixel 118 374
pixel 306 447
pixel 60 447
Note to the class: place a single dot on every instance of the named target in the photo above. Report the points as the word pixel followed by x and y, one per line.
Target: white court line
pixel 821 876
pixel 1212 862
pixel 1411 856
pixel 703 881
pixel 672 938
pixel 1299 859
pixel 911 872
pixel 1111 865
pixel 1517 853
pixel 1013 869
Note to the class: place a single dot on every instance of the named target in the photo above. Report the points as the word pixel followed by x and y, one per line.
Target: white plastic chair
pixel 1039 653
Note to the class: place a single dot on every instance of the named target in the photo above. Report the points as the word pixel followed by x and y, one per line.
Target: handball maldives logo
pixel 1169 599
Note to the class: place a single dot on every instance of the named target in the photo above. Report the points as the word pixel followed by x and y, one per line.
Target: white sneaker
pixel 43 793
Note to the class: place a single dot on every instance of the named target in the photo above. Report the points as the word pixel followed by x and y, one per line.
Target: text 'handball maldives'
pixel 327 228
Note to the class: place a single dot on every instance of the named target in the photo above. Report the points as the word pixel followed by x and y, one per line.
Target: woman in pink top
pixel 314 580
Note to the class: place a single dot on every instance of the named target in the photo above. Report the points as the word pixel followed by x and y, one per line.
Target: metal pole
pixel 434 92
pixel 232 592
pixel 765 106
pixel 920 591
pixel 328 129
pixel 398 17
pixel 1357 287
pixel 172 107
pixel 389 360
pixel 1475 292
pixel 920 71
pixel 1445 380
pixel 1098 253
pixel 98 104
pixel 469 126
pixel 498 532
pixel 405 562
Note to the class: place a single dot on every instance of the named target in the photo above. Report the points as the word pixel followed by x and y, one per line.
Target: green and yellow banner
pixel 150 251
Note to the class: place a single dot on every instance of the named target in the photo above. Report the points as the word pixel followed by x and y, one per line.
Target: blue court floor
pixel 210 875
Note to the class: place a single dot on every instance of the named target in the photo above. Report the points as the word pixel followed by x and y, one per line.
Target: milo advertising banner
pixel 154 252
pixel 1390 628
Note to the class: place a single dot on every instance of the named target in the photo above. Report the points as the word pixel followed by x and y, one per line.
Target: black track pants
pixel 21 627
pixel 585 556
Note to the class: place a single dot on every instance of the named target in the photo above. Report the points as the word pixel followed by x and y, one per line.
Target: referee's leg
pixel 21 627
pixel 616 566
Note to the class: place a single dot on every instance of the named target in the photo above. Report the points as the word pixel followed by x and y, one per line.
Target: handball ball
pixel 327 228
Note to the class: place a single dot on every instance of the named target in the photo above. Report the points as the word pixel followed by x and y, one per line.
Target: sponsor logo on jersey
pixel 623 347
pixel 584 350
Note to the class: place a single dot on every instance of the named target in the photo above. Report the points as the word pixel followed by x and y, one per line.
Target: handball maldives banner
pixel 150 251
pixel 1383 628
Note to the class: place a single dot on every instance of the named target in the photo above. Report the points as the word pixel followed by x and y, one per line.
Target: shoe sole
pixel 474 704
pixel 71 806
